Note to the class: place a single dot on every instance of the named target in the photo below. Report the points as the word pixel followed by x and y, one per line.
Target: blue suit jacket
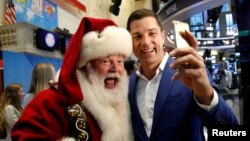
pixel 176 117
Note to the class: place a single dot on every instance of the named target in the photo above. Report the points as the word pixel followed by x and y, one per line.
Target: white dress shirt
pixel 146 95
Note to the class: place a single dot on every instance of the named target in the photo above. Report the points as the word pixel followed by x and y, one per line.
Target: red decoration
pixel 77 4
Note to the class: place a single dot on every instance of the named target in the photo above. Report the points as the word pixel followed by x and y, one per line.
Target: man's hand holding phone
pixel 190 64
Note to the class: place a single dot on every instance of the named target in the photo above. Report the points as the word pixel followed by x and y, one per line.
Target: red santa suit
pixel 46 117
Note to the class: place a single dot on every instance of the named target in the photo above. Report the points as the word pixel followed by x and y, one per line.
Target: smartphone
pixel 179 27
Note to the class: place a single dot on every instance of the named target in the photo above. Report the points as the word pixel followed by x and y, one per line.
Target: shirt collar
pixel 160 68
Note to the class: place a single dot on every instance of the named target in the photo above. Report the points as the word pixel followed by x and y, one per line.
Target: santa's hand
pixel 192 70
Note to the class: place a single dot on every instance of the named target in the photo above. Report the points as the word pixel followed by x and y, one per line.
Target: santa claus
pixel 90 100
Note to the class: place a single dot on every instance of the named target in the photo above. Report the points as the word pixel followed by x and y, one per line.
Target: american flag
pixel 10 14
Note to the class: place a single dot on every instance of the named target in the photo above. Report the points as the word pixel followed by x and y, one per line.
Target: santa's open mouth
pixel 111 82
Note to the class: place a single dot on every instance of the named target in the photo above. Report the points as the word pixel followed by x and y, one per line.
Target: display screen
pixel 47 40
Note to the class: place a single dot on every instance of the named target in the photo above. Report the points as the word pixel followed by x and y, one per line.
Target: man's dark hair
pixel 142 13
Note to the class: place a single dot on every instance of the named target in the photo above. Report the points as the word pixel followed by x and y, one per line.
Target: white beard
pixel 110 108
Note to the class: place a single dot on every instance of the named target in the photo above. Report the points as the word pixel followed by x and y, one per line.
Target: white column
pixel 2 11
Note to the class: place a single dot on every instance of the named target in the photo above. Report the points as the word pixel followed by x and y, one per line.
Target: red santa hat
pixel 94 38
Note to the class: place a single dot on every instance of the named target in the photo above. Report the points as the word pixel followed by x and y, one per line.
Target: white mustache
pixel 113 75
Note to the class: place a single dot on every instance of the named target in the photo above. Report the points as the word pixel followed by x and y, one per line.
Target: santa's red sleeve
pixel 43 119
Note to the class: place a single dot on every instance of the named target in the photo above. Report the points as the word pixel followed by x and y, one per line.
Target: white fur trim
pixel 113 40
pixel 113 119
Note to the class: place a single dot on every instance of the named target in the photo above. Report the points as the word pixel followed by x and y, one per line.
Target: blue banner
pixel 41 13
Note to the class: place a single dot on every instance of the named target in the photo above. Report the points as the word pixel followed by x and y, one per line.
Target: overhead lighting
pixel 226 42
pixel 209 28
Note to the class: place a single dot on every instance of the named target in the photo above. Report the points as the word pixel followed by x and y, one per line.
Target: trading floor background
pixel 220 26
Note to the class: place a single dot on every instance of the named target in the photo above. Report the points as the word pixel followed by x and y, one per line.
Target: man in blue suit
pixel 166 104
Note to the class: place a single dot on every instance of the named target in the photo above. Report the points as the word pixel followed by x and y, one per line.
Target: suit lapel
pixel 165 86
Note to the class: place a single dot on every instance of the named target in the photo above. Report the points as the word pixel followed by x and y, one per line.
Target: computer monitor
pixel 47 40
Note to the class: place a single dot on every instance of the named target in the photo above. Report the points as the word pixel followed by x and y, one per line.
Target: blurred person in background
pixel 130 66
pixel 223 67
pixel 42 75
pixel 10 107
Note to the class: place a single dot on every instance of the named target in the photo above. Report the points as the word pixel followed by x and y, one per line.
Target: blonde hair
pixel 10 96
pixel 42 74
